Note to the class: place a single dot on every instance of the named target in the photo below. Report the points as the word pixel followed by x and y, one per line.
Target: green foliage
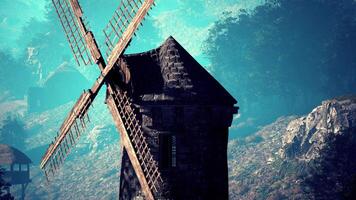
pixel 13 132
pixel 286 56
pixel 4 188
pixel 15 77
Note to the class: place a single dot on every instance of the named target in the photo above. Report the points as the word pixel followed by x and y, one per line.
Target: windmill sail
pixel 84 48
pixel 122 27
pixel 119 32
pixel 70 131
pixel 120 21
pixel 135 143
pixel 72 30
pixel 74 123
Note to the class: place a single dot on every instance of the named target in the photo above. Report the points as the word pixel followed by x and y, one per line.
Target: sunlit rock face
pixel 311 157
pixel 308 136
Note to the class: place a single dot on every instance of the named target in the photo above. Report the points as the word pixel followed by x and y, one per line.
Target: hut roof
pixel 10 155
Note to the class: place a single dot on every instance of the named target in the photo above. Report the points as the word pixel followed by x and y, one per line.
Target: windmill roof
pixel 10 155
pixel 169 73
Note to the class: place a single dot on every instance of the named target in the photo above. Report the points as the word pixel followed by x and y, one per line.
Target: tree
pixel 13 132
pixel 285 57
pixel 15 76
pixel 4 188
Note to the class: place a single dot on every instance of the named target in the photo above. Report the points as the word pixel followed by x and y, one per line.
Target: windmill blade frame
pixel 68 135
pixel 134 141
pixel 70 15
pixel 127 34
pixel 72 116
pixel 119 22
pixel 150 178
pixel 68 11
pixel 78 113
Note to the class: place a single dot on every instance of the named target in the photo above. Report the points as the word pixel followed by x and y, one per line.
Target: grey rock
pixel 307 136
pixel 310 157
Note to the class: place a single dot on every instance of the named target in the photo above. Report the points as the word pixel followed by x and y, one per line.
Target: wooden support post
pixel 88 118
pixel 77 128
pixel 64 148
pixel 71 138
pixel 60 156
pixel 22 191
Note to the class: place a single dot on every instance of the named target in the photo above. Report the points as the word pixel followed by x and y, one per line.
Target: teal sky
pixel 255 57
pixel 280 59
pixel 30 32
pixel 188 21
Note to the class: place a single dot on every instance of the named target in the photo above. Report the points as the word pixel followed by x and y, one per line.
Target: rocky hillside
pixel 312 157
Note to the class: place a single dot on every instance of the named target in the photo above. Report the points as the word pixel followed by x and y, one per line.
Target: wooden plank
pixel 76 8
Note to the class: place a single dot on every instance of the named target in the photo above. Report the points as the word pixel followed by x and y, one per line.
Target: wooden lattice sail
pixel 119 32
pixel 171 114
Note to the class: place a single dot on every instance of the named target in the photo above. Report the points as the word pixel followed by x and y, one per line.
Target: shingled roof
pixel 10 155
pixel 169 73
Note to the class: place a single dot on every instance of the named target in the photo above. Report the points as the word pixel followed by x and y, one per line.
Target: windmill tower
pixel 172 115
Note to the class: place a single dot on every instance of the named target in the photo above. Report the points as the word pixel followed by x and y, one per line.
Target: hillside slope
pixel 312 157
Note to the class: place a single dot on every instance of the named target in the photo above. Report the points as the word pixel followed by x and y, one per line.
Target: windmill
pixel 174 101
pixel 121 29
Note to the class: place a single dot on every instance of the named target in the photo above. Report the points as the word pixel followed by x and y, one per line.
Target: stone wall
pixel 190 144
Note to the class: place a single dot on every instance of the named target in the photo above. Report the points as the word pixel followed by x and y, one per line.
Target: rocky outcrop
pixel 308 136
pixel 311 157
